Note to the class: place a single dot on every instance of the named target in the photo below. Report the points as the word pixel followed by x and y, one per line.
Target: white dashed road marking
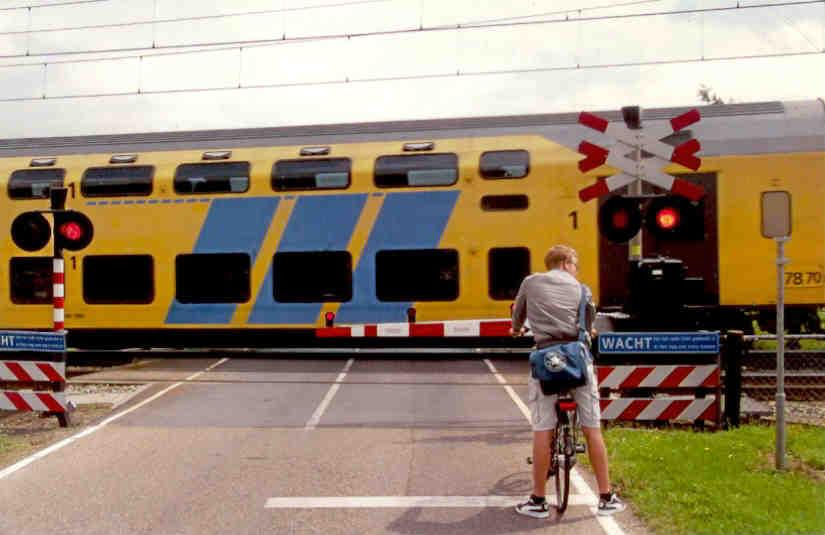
pixel 312 423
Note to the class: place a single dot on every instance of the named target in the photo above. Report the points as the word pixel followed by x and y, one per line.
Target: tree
pixel 706 94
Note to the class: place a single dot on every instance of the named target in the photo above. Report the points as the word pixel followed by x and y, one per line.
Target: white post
pixel 780 352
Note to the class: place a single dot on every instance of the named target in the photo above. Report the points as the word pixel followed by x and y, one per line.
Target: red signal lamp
pixel 673 217
pixel 667 218
pixel 329 319
pixel 73 230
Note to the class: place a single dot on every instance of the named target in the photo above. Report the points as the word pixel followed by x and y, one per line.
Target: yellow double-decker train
pixel 247 237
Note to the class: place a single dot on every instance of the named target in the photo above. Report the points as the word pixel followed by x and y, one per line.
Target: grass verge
pixel 684 482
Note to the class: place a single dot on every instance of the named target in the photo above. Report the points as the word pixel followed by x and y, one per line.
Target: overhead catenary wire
pixel 193 19
pixel 456 74
pixel 214 46
pixel 56 4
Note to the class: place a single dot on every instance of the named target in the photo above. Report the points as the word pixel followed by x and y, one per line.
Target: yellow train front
pixel 250 237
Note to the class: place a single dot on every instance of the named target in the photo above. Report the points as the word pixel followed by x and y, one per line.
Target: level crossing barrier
pixel 34 384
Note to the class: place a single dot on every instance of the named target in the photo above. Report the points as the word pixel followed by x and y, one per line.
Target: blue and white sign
pixel 695 343
pixel 32 341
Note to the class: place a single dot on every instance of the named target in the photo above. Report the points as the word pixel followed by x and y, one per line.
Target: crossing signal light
pixel 31 231
pixel 675 218
pixel 666 218
pixel 620 219
pixel 73 230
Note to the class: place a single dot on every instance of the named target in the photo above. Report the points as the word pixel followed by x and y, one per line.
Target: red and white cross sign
pixel 628 142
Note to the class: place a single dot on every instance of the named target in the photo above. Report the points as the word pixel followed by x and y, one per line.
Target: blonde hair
pixel 558 255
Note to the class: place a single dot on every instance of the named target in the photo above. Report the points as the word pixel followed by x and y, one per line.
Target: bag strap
pixel 584 336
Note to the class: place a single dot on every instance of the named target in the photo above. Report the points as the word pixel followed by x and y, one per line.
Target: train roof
pixel 775 126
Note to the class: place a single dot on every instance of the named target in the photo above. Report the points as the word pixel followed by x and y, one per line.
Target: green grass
pixel 685 482
pixel 808 445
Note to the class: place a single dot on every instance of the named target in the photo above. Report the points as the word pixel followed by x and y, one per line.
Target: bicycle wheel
pixel 562 437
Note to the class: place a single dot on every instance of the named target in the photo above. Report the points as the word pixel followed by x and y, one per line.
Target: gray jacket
pixel 550 301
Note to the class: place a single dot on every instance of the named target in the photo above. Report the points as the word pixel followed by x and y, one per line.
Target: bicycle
pixel 563 450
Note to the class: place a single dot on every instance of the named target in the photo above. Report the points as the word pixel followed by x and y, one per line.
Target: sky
pixel 564 65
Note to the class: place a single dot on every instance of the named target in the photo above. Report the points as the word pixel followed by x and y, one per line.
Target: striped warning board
pixel 675 408
pixel 26 400
pixel 30 371
pixel 659 377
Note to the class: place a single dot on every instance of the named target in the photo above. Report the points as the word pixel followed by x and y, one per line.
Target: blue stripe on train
pixel 231 226
pixel 414 220
pixel 317 223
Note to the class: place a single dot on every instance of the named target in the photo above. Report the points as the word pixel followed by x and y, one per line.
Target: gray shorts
pixel 543 408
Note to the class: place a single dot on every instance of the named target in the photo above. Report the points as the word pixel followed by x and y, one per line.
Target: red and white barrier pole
pixel 58 292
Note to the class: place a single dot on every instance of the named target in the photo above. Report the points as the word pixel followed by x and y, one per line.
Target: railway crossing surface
pixel 299 445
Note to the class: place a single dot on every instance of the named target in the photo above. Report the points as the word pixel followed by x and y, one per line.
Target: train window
pixel 329 173
pixel 507 267
pixel 417 275
pixel 222 177
pixel 312 277
pixel 416 170
pixel 31 280
pixel 212 278
pixel 504 164
pixel 118 279
pixel 122 181
pixel 492 203
pixel 34 183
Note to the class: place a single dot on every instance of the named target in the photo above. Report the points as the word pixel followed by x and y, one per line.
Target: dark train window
pixel 118 279
pixel 417 275
pixel 34 183
pixel 124 181
pixel 212 278
pixel 224 177
pixel 312 277
pixel 491 203
pixel 331 173
pixel 507 267
pixel 504 164
pixel 416 170
pixel 31 280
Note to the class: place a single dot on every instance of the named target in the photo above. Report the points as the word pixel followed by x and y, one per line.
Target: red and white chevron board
pixel 676 408
pixel 30 371
pixel 26 400
pixel 445 329
pixel 660 377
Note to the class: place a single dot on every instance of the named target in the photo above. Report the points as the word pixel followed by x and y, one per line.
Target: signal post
pixel 72 231
pixel 639 152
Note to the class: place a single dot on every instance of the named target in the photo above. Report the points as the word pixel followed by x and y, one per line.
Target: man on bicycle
pixel 550 302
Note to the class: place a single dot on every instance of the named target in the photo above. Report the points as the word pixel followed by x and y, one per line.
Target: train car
pixel 253 236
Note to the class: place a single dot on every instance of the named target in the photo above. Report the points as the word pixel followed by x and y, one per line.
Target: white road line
pixel 608 524
pixel 89 430
pixel 524 410
pixel 406 502
pixel 312 423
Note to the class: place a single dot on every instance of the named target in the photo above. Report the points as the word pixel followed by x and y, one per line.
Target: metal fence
pixel 751 378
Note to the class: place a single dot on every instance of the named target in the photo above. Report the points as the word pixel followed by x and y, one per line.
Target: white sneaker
pixel 531 508
pixel 611 506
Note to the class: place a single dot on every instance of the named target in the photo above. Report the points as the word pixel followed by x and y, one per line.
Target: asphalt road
pixel 321 445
